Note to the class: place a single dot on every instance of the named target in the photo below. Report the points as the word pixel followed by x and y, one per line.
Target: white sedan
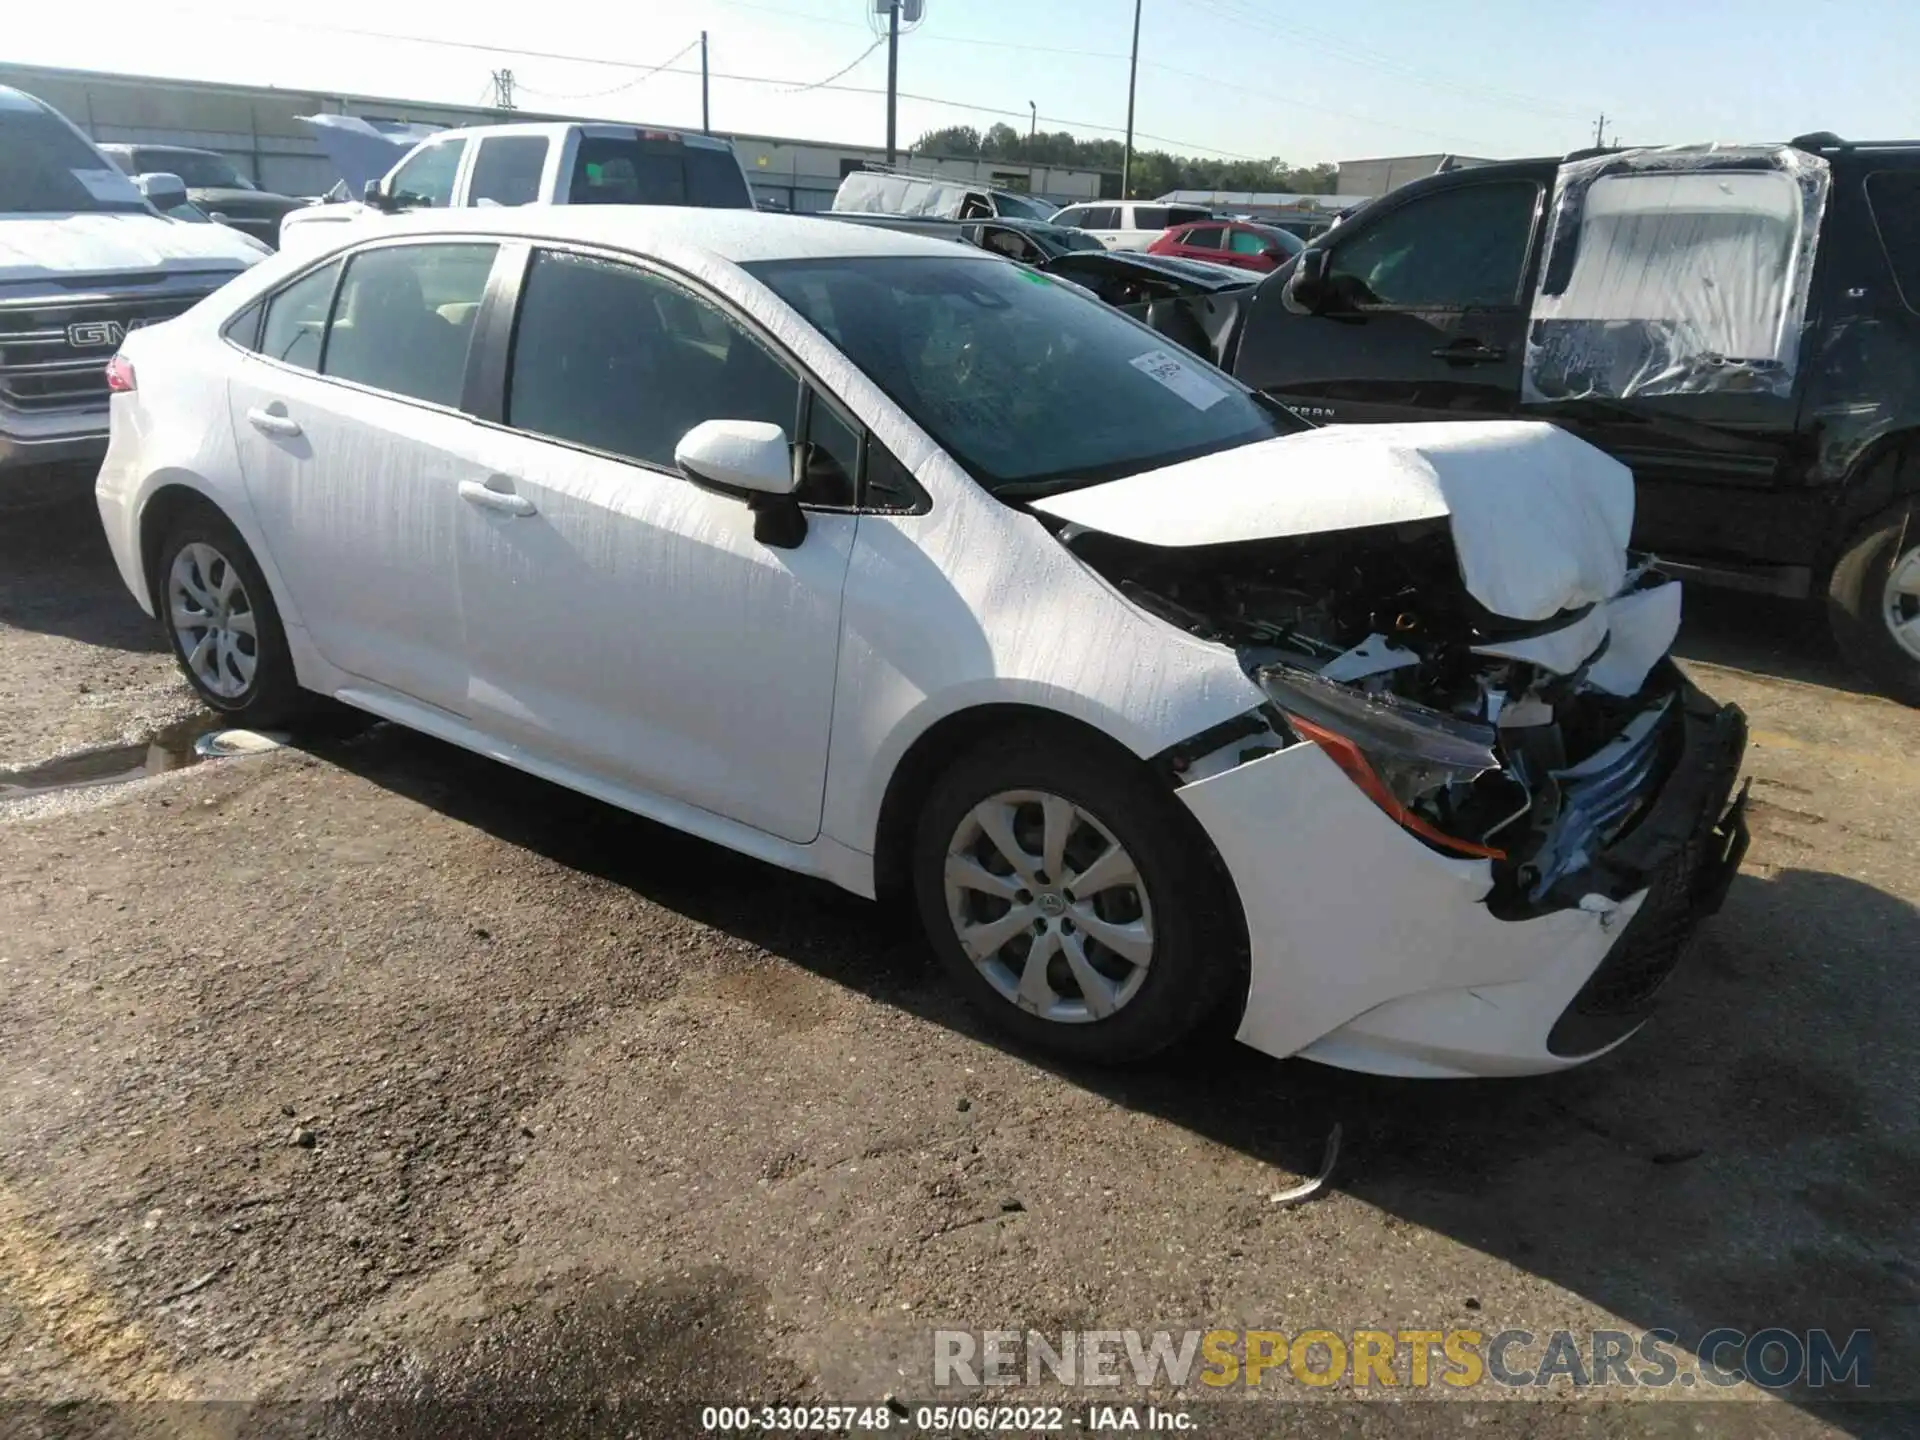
pixel 896 563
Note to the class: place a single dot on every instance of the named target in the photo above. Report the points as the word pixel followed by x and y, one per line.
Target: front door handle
pixel 491 496
pixel 268 422
pixel 1470 352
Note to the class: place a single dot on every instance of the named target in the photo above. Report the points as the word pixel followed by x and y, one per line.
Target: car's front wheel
pixel 220 619
pixel 1873 599
pixel 1073 899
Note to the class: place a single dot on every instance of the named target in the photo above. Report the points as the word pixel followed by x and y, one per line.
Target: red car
pixel 1230 242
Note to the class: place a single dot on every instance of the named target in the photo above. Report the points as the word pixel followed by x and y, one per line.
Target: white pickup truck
pixel 541 164
pixel 86 254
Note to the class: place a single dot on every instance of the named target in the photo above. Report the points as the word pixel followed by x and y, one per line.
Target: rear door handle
pixel 268 423
pixel 491 497
pixel 1470 352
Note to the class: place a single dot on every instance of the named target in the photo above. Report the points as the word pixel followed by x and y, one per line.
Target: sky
pixel 1238 78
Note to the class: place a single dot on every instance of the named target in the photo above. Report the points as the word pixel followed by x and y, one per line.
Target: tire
pixel 1873 600
pixel 204 568
pixel 1182 903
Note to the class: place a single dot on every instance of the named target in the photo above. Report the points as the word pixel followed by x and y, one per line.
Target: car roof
pixel 736 236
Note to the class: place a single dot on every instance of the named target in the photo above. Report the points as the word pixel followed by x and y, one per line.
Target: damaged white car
pixel 903 566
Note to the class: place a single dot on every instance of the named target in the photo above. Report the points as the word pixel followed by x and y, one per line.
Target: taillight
pixel 120 375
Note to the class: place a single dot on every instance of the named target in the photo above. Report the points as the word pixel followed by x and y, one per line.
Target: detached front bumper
pixel 1373 952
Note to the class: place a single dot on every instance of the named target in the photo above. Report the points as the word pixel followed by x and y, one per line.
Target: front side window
pixel 1452 250
pixel 506 170
pixel 404 317
pixel 616 358
pixel 296 325
pixel 1261 242
pixel 1101 217
pixel 1894 197
pixel 427 178
pixel 987 358
pixel 1203 237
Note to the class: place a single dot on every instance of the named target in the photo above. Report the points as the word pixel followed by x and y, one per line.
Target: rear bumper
pixel 1372 952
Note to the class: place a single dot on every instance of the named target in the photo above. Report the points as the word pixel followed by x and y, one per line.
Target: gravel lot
pixel 369 1069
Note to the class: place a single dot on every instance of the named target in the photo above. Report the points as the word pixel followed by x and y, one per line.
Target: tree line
pixel 1154 171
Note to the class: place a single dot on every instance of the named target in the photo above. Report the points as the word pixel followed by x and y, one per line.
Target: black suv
pixel 1744 332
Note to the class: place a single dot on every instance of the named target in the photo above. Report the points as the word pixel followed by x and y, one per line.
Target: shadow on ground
pixel 1749 1160
pixel 57 576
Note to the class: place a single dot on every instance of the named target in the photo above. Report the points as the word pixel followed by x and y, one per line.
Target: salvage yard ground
pixel 371 1068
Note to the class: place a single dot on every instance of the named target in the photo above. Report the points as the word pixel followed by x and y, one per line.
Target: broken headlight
pixel 1397 751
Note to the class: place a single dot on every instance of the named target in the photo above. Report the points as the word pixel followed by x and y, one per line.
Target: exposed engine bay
pixel 1533 745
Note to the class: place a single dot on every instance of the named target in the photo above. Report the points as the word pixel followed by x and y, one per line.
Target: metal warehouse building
pixel 257 128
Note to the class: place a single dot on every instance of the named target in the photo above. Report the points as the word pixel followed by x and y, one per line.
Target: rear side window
pixel 616 170
pixel 1149 217
pixel 427 179
pixel 506 170
pixel 1183 214
pixel 296 324
pixel 1894 197
pixel 615 358
pixel 1207 237
pixel 1449 250
pixel 404 317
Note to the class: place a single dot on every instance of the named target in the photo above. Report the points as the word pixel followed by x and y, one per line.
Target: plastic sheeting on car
pixel 1676 271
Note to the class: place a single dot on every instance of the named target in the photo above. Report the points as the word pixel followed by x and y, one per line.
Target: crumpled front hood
pixel 37 247
pixel 1540 520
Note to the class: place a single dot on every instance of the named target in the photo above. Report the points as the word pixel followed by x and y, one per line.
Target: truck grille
pixel 53 353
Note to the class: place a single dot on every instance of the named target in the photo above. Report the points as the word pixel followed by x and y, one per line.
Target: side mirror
pixel 749 460
pixel 1307 289
pixel 374 192
pixel 162 190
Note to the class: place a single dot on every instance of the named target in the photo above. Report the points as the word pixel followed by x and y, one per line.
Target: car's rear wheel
pixel 1073 899
pixel 1873 600
pixel 220 619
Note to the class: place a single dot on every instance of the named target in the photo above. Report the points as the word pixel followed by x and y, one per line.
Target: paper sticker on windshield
pixel 107 184
pixel 1196 388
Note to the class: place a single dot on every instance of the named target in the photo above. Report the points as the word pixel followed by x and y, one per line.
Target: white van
pixel 1128 224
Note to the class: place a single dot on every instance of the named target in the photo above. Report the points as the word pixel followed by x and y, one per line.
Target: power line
pixel 669 69
pixel 823 84
pixel 639 79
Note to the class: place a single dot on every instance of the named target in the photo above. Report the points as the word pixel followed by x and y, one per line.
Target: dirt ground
pixel 369 1072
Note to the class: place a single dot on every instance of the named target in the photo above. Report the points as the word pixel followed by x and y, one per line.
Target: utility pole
pixel 1600 130
pixel 706 114
pixel 1033 123
pixel 1133 71
pixel 503 89
pixel 893 71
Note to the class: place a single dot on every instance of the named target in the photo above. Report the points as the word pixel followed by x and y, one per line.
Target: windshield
pixel 195 168
pixel 46 169
pixel 612 170
pixel 1031 384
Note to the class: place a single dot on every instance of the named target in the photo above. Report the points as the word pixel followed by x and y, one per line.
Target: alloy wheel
pixel 1049 906
pixel 1901 603
pixel 213 620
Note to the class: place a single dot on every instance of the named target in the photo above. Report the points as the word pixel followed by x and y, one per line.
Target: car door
pixel 1196 242
pixel 352 448
pixel 1423 315
pixel 621 620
